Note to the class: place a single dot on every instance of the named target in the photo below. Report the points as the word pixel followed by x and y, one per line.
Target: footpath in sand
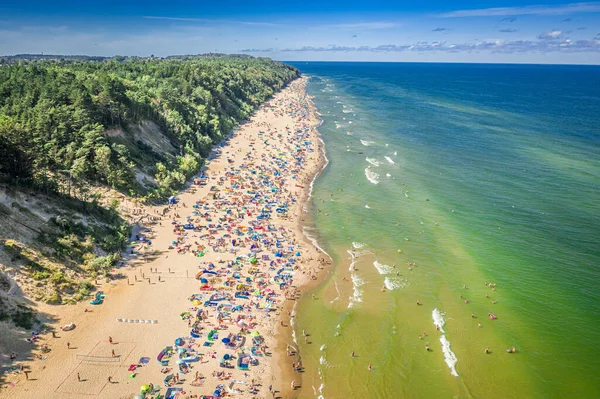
pixel 197 309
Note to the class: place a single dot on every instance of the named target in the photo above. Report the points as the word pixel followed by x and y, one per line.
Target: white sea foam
pixel 338 125
pixel 358 245
pixel 383 269
pixel 390 160
pixel 373 161
pixel 373 177
pixel 321 391
pixel 349 133
pixel 353 260
pixel 366 143
pixel 294 337
pixel 367 206
pixel 449 356
pixel 438 319
pixel 356 297
pixel 388 175
pixel 323 347
pixel 347 111
pixel 387 145
pixel 312 183
pixel 350 122
pixel 395 152
pixel 394 283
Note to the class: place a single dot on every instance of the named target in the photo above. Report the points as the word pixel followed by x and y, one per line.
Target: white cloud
pixel 551 34
pixel 560 9
pixel 492 46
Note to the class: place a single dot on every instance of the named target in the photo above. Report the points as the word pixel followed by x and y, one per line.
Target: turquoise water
pixel 443 180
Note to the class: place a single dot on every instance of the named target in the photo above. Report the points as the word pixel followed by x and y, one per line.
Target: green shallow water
pixel 495 178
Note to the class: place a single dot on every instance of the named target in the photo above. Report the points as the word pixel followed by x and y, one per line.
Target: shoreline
pixel 99 324
pixel 283 371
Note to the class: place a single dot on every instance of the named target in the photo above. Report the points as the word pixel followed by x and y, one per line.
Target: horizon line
pixel 307 61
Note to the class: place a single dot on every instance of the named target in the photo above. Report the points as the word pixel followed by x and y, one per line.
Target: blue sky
pixel 345 30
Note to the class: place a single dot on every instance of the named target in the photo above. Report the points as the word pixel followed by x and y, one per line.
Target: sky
pixel 497 31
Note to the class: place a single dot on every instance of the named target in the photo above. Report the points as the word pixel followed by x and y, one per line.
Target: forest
pixel 54 115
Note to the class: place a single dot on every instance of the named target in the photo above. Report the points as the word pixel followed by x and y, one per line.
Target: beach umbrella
pixel 178 342
pixel 226 340
pixel 255 334
pixel 145 387
pixel 138 396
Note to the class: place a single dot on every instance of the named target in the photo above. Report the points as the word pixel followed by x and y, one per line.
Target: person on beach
pixel 293 385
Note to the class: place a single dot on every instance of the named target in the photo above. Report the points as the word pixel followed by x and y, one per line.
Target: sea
pixel 461 208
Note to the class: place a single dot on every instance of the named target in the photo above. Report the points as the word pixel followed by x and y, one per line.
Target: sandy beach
pixel 202 303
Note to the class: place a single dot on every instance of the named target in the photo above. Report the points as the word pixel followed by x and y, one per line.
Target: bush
pixel 23 317
pixel 58 277
pixel 53 299
pixel 84 289
pixel 38 275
